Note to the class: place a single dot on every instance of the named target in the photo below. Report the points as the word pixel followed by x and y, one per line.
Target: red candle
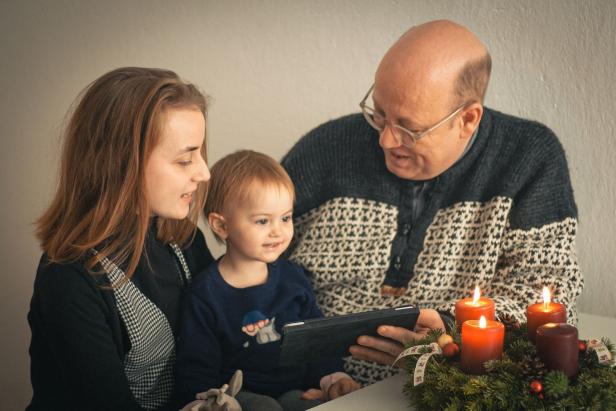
pixel 543 313
pixel 557 346
pixel 481 341
pixel 474 308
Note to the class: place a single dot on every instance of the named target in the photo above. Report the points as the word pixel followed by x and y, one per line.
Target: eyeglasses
pixel 402 135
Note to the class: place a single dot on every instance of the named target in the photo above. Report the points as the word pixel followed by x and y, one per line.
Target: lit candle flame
pixel 482 322
pixel 476 295
pixel 546 298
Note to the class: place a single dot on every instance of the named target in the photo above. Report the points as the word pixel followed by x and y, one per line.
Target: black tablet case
pixel 331 337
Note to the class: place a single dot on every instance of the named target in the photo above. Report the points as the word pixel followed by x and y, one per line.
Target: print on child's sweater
pixel 257 324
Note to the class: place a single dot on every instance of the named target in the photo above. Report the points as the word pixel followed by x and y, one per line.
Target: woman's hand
pixel 385 350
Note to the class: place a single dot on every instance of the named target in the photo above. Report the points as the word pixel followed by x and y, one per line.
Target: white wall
pixel 275 69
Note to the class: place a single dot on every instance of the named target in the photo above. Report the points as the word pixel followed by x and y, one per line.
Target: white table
pixel 388 395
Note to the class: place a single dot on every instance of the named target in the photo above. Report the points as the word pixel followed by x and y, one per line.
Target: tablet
pixel 331 337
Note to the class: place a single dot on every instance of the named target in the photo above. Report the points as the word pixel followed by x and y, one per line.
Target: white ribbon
pixel 603 354
pixel 422 362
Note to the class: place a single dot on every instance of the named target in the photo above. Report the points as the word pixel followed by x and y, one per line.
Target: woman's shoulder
pixel 63 284
pixel 50 272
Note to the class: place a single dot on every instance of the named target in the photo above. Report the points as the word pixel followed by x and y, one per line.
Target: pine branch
pixel 506 384
pixel 556 384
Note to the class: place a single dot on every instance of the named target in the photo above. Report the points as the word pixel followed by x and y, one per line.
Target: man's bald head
pixel 435 58
pixel 431 82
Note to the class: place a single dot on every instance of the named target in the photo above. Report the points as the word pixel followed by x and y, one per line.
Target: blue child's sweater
pixel 216 337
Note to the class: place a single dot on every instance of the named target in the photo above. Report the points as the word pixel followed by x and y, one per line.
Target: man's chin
pixel 407 173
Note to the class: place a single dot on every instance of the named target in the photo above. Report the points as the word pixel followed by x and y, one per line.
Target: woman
pixel 120 242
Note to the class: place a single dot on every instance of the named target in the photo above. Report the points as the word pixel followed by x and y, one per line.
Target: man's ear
pixel 471 116
pixel 218 225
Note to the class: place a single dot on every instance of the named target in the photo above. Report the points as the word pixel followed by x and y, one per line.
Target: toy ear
pixel 235 384
pixel 221 396
pixel 218 225
pixel 211 393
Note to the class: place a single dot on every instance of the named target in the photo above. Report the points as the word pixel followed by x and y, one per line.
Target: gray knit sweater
pixel 502 218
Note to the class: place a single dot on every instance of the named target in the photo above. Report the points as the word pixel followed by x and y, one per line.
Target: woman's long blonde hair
pixel 100 202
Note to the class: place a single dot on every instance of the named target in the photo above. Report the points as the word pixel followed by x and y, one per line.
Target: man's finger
pixel 402 335
pixel 368 354
pixel 385 345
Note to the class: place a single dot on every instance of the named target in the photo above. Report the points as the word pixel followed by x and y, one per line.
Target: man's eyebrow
pixel 411 126
pixel 406 123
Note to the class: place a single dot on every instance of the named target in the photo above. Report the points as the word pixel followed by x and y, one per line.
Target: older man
pixel 428 193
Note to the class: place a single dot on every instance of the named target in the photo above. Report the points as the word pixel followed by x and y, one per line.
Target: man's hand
pixel 385 350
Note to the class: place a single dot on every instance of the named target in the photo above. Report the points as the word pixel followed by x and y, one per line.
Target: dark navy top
pixel 224 329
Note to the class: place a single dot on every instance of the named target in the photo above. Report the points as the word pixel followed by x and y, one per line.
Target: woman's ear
pixel 218 225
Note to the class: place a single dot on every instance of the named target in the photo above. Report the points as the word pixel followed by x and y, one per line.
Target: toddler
pixel 234 311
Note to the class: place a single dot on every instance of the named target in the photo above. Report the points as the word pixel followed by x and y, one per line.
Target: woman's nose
pixel 203 172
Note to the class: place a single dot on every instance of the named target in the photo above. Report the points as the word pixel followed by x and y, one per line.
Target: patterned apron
pixel 149 363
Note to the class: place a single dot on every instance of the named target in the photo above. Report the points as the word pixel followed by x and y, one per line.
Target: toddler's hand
pixel 341 387
pixel 193 406
pixel 313 394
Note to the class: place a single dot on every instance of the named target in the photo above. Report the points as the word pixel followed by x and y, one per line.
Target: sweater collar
pixel 473 150
pixel 467 158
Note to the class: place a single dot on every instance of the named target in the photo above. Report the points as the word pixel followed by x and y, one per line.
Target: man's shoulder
pixel 508 123
pixel 340 126
pixel 519 135
pixel 327 136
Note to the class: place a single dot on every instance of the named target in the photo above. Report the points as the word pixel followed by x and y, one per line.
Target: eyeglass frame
pixel 414 136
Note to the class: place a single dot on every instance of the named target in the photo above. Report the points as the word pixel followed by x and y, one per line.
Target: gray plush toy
pixel 221 399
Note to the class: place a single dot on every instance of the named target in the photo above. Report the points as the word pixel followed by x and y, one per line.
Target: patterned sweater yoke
pixel 503 218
